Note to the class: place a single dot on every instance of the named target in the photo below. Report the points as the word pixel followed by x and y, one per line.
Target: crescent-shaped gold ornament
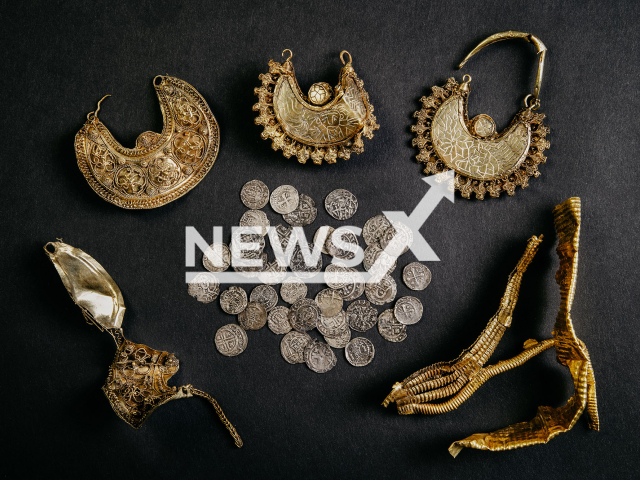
pixel 324 125
pixel 162 167
pixel 484 160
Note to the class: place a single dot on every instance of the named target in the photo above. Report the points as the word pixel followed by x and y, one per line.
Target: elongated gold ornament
pixel 163 166
pixel 457 380
pixel 327 124
pixel 484 160
pixel 137 380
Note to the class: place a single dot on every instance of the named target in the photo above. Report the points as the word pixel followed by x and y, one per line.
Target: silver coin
pixel 285 199
pixel 285 235
pixel 416 276
pixel 382 291
pixel 272 274
pixel 408 310
pixel 341 204
pixel 345 236
pixel 299 265
pixel 359 352
pixel 396 239
pixel 378 262
pixel 292 346
pixel 293 289
pixel 231 340
pixel 249 271
pixel 255 218
pixel 330 231
pixel 217 257
pixel 374 228
pixel 266 295
pixel 304 214
pixel 233 300
pixel 355 286
pixel 361 315
pixel 245 239
pixel 205 287
pixel 278 320
pixel 319 357
pixel 333 326
pixel 390 328
pixel 253 317
pixel 336 275
pixel 304 315
pixel 329 301
pixel 254 194
pixel 339 341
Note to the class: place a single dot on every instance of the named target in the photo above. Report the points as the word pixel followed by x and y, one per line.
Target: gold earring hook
pixel 531 100
pixel 290 54
pixel 342 57
pixel 93 115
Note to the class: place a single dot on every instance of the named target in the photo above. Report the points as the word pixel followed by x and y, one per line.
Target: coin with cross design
pixel 341 204
pixel 231 340
pixel 416 276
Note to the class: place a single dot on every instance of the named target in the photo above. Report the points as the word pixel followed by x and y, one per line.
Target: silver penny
pixel 355 286
pixel 254 194
pixel 342 236
pixel 341 204
pixel 272 274
pixel 293 289
pixel 336 275
pixel 304 315
pixel 245 239
pixel 299 265
pixel 390 328
pixel 285 235
pixel 378 262
pixel 292 347
pixel 329 232
pixel 329 301
pixel 249 271
pixel 382 291
pixel 233 300
pixel 416 276
pixel 284 199
pixel 319 357
pixel 278 320
pixel 408 310
pixel 205 287
pixel 255 218
pixel 359 352
pixel 253 317
pixel 266 295
pixel 339 341
pixel 217 257
pixel 333 326
pixel 231 340
pixel 304 214
pixel 396 239
pixel 374 228
pixel 361 315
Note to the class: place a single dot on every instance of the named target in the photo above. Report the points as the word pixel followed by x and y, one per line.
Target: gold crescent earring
pixel 483 160
pixel 325 124
pixel 162 167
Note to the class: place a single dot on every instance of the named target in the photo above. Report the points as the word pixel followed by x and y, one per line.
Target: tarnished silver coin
pixel 342 244
pixel 285 235
pixel 254 194
pixel 382 291
pixel 299 265
pixel 329 301
pixel 359 352
pixel 390 328
pixel 304 315
pixel 361 315
pixel 249 271
pixel 205 287
pixel 255 218
pixel 333 326
pixel 408 310
pixel 329 231
pixel 319 357
pixel 231 340
pixel 217 257
pixel 336 275
pixel 396 239
pixel 339 341
pixel 253 317
pixel 354 287
pixel 378 262
pixel 233 300
pixel 284 199
pixel 266 295
pixel 416 276
pixel 245 239
pixel 341 204
pixel 292 347
pixel 374 228
pixel 304 214
pixel 293 289
pixel 278 320
pixel 272 274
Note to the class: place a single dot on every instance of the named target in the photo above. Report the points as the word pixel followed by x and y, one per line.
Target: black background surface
pixel 59 58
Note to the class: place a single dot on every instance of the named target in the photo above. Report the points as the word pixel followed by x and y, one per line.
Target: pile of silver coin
pixel 328 312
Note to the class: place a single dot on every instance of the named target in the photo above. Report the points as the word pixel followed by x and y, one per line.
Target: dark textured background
pixel 59 58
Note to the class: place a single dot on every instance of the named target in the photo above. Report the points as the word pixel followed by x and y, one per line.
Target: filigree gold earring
pixel 484 160
pixel 326 124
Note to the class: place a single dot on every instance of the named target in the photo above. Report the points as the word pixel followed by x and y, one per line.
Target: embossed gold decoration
pixel 457 380
pixel 137 380
pixel 484 160
pixel 162 166
pixel 326 125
